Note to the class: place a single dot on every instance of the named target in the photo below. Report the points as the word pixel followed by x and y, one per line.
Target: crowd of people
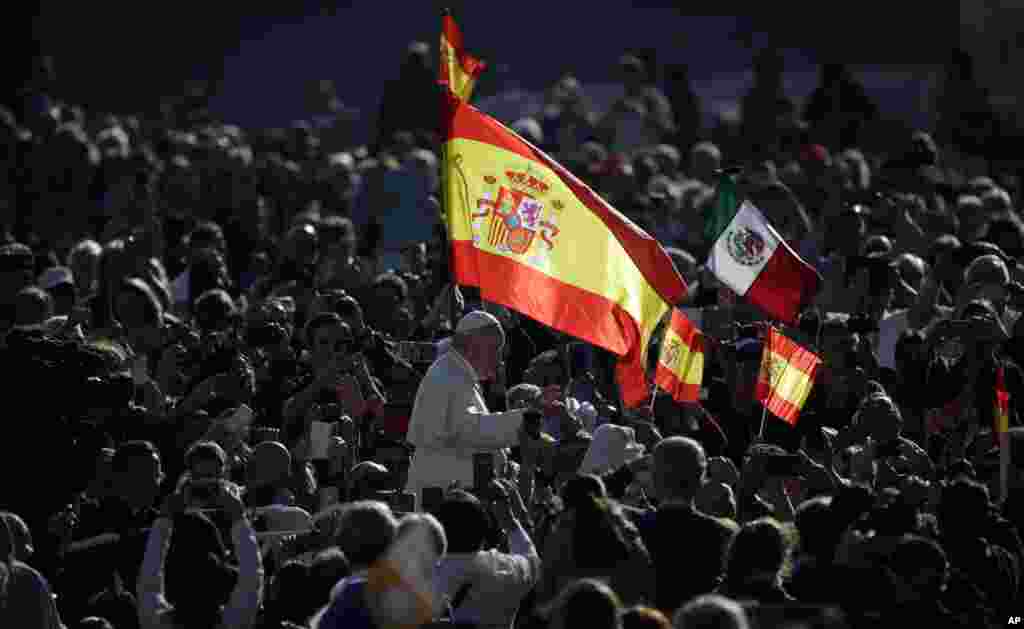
pixel 219 360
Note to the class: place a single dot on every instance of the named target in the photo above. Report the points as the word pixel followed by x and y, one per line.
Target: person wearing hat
pixel 450 421
pixel 611 447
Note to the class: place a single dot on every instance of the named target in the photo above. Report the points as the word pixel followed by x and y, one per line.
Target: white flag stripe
pixel 736 265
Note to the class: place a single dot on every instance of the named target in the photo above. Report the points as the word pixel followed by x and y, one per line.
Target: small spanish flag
pixel 787 375
pixel 681 361
pixel 458 69
pixel 1002 409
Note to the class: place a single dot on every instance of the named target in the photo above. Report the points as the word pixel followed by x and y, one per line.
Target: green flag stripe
pixel 719 214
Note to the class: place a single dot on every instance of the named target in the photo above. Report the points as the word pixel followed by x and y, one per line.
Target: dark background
pixel 126 57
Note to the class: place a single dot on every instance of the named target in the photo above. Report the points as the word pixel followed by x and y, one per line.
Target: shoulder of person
pixel 26 577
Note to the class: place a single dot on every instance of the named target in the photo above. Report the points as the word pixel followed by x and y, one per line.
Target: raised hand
pixel 231 503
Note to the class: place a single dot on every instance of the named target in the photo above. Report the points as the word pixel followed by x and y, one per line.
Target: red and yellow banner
pixel 534 238
pixel 1002 409
pixel 787 376
pixel 458 69
pixel 680 369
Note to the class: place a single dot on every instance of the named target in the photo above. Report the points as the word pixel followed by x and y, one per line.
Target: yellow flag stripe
pixel 788 382
pixel 572 234
pixel 460 81
pixel 687 365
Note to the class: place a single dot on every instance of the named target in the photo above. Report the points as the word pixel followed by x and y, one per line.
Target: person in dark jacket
pixel 677 534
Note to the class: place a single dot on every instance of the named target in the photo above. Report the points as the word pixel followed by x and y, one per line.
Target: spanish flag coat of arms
pixel 534 238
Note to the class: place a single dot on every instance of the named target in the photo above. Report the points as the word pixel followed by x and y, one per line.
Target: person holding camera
pixel 337 371
pixel 450 420
pixel 486 585
pixel 380 352
pixel 186 579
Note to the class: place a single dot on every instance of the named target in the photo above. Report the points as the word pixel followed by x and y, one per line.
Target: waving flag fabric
pixel 458 69
pixel 752 259
pixel 534 238
pixel 680 368
pixel 787 376
pixel 400 586
pixel 1002 409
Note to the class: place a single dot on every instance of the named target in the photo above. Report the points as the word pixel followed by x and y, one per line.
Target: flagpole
pixel 1004 466
pixel 771 390
pixel 445 204
pixel 764 418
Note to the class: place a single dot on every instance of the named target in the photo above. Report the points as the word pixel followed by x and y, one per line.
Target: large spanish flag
pixel 534 238
pixel 787 375
pixel 680 368
pixel 752 259
pixel 458 69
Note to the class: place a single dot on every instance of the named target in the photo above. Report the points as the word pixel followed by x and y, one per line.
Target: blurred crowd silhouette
pixel 175 290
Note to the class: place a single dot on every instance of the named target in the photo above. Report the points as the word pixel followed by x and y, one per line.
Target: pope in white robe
pixel 450 421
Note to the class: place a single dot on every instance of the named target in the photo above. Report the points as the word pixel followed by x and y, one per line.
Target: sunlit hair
pixel 433 525
pixel 585 602
pixel 711 610
pixel 84 248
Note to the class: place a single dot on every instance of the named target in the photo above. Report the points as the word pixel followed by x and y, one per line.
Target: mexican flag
pixel 752 259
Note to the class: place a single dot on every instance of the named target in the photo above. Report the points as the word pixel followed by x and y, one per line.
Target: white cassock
pixel 450 423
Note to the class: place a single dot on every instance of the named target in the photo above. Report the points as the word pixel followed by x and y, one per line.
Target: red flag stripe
pixel 784 285
pixel 780 407
pixel 645 251
pixel 470 64
pixel 577 312
pixel 666 378
pixel 681 391
pixel 798 357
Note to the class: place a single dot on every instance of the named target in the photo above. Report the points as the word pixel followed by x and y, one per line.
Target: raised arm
pixel 244 605
pixel 150 589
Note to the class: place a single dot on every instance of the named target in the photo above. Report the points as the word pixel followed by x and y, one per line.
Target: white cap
pixel 55 276
pixel 611 447
pixel 477 320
